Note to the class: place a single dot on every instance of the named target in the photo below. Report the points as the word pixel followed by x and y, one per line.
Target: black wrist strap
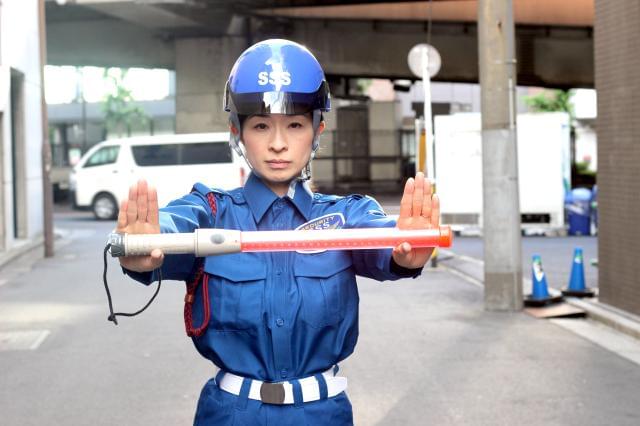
pixel 112 314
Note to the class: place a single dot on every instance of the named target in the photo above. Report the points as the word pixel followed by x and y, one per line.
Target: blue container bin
pixel 594 210
pixel 578 207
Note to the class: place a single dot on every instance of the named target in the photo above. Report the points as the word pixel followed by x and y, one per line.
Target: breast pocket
pixel 236 290
pixel 326 281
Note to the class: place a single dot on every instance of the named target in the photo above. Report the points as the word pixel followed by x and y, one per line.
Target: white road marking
pixel 465 277
pixel 21 340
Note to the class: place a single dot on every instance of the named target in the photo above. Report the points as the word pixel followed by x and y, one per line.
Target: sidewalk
pixel 31 247
pixel 21 249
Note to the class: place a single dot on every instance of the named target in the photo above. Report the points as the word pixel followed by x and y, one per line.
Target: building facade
pixel 21 205
pixel 617 24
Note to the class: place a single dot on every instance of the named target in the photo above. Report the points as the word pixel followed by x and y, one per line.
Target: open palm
pixel 139 215
pixel 419 209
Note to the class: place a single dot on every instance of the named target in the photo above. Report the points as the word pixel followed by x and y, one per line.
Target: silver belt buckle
pixel 272 393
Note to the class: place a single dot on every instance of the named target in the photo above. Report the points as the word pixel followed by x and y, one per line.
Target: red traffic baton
pixel 211 241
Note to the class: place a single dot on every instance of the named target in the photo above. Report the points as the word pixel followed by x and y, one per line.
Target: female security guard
pixel 275 324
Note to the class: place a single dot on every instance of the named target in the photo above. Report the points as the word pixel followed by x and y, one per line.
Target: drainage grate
pixel 23 340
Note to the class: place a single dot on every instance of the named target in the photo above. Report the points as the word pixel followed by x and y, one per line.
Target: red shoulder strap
pixel 201 279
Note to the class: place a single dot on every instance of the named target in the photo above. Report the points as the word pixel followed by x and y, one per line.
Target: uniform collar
pixel 259 197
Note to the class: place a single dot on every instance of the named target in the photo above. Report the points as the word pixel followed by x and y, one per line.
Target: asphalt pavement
pixel 428 353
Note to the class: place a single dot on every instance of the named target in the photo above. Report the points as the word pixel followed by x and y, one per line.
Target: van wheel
pixel 104 207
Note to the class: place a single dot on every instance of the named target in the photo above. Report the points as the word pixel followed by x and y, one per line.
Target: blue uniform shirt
pixel 278 315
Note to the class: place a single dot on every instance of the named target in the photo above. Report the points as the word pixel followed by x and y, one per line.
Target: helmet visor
pixel 277 102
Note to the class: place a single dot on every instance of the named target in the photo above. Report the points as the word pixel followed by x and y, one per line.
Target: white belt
pixel 271 393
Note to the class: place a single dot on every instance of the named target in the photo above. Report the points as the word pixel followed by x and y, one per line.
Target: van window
pixel 105 155
pixel 204 153
pixel 181 154
pixel 155 155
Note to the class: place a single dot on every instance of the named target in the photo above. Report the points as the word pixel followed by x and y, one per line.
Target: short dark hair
pixel 242 118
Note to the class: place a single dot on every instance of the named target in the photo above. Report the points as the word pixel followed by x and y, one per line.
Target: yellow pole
pixel 422 152
pixel 422 156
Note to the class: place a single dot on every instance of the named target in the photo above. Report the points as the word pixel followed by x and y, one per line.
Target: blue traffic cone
pixel 577 287
pixel 539 292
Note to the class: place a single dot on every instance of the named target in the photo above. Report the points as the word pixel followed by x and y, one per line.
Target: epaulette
pixel 203 189
pixel 236 195
pixel 324 198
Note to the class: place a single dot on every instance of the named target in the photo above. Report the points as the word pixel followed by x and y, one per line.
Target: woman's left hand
pixel 419 209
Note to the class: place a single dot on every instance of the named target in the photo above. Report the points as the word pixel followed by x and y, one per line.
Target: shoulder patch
pixel 328 221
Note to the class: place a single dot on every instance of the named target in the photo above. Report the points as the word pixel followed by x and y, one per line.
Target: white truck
pixel 544 173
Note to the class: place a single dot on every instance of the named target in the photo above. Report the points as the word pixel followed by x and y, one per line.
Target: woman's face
pixel 278 147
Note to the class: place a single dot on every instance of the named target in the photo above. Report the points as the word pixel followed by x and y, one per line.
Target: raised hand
pixel 139 215
pixel 419 209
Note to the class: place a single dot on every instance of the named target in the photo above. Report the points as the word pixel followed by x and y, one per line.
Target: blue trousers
pixel 219 408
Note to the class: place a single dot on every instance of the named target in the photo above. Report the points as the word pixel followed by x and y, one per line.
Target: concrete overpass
pixel 200 39
pixel 554 40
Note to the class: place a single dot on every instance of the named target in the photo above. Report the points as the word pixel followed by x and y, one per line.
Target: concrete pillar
pixel 202 68
pixel 501 207
pixel 47 189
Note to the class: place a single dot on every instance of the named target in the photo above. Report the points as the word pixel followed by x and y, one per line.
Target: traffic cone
pixel 539 292
pixel 577 287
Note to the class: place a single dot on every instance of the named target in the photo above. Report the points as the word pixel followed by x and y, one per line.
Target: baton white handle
pixel 202 242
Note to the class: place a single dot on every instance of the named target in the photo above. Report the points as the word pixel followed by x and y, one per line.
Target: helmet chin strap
pixel 235 141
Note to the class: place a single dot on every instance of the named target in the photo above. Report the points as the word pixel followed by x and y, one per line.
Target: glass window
pixel 205 153
pixel 181 154
pixel 155 155
pixel 105 155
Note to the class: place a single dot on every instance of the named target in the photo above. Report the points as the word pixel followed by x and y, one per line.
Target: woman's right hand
pixel 139 215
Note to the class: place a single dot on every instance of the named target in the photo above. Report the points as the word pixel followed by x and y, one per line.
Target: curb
pixel 18 251
pixel 27 246
pixel 608 315
pixel 613 317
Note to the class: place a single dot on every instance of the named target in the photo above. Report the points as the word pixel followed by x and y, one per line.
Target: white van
pixel 171 163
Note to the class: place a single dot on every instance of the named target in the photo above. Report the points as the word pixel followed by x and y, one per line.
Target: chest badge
pixel 328 221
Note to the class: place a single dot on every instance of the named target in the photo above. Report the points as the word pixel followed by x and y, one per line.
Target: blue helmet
pixel 276 77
